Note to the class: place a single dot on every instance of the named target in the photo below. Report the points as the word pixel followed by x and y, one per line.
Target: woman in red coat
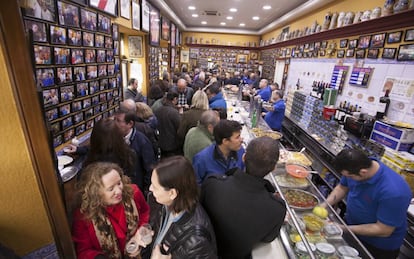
pixel 111 211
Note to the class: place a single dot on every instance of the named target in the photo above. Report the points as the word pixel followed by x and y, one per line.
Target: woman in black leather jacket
pixel 182 227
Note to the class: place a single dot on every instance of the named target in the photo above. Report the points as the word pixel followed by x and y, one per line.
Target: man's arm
pixel 337 194
pixel 376 229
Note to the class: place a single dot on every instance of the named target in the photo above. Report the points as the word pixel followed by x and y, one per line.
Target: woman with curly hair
pixel 110 211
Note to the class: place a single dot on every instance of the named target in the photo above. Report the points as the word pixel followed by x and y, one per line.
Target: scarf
pixel 106 234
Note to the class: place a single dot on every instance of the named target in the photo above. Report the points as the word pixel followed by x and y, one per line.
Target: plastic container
pixel 348 251
pixel 324 250
pixel 302 252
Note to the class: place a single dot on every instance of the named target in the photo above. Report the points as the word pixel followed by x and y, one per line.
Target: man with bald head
pixel 128 105
pixel 185 94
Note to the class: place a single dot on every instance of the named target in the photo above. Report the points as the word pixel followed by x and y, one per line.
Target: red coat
pixel 83 232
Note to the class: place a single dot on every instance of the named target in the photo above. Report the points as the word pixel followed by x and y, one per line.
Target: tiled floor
pixel 47 252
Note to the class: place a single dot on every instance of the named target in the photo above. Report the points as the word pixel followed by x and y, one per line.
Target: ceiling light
pixel 242 24
pixel 203 22
pixel 256 18
pixel 233 10
pixel 222 23
pixel 194 15
pixel 229 17
pixel 191 7
pixel 267 7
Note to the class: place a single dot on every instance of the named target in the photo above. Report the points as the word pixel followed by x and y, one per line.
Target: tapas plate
pixel 68 173
pixel 287 181
pixel 64 160
pixel 300 199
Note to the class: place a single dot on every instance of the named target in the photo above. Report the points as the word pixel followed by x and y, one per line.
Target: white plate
pixel 68 173
pixel 64 160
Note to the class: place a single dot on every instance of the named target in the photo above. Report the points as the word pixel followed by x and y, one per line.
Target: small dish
pixel 64 160
pixel 68 173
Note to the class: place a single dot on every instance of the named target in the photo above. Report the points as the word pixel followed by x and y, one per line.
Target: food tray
pixel 287 181
pixel 269 133
pixel 300 199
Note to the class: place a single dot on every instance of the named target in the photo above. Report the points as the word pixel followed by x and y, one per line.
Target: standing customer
pixel 185 94
pixel 223 155
pixel 215 96
pixel 225 196
pixel 110 212
pixel 183 227
pixel 132 91
pixel 276 114
pixel 377 200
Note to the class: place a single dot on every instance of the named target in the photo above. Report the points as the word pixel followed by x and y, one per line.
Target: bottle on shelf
pixel 254 119
pixel 384 103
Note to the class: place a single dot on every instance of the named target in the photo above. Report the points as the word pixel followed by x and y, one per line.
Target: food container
pixel 300 199
pixel 287 181
pixel 324 250
pixel 348 251
pixel 301 250
pixel 68 173
pixel 296 170
pixel 313 223
pixel 332 230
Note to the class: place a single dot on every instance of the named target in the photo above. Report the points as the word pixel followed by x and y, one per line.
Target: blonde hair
pixel 143 111
pixel 200 100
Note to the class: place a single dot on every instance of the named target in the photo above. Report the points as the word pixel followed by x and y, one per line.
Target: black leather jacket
pixel 182 238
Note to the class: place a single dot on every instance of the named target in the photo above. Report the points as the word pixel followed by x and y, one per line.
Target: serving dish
pixel 287 181
pixel 68 173
pixel 64 160
pixel 269 133
pixel 300 199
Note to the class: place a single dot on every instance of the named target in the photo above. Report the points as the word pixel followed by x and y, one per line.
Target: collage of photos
pixel 77 64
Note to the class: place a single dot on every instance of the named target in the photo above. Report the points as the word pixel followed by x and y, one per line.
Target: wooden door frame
pixel 18 60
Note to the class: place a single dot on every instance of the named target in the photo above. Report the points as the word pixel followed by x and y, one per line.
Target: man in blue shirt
pixel 225 154
pixel 265 91
pixel 377 202
pixel 276 112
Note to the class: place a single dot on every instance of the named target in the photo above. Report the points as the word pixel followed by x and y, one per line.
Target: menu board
pixel 360 76
pixel 338 77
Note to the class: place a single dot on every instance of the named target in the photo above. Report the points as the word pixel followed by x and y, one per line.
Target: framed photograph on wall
pixel 79 73
pixel 88 20
pixel 68 14
pixel 409 35
pixel 45 77
pixel 406 52
pixel 373 53
pixel 364 41
pixel 67 93
pixel 57 35
pixel 88 39
pixel 63 75
pixel 57 141
pixel 135 46
pixel 74 37
pixel 145 15
pixel 360 53
pixel 61 55
pixel 241 58
pixel 104 24
pixel 353 44
pixel 136 16
pixel 91 72
pixel 125 6
pixel 101 56
pixel 172 35
pixel 389 53
pixel 377 40
pixel 50 97
pixel 340 53
pixel 38 29
pixel 343 43
pixel 165 28
pixel 68 135
pixel 115 31
pixel 44 10
pixel 99 41
pixel 154 33
pixel 76 106
pixel 350 53
pixel 394 37
pixel 107 6
pixel 52 114
pixel 90 56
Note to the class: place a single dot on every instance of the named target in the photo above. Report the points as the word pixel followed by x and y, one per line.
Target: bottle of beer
pixel 384 103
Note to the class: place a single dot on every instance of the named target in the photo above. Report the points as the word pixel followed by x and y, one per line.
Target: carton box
pixel 402 135
pixel 390 142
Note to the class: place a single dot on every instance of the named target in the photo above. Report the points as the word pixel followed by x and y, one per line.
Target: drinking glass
pixel 146 233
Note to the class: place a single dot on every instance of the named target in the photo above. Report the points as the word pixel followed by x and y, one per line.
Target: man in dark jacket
pixel 240 221
pixel 168 123
pixel 132 92
pixel 140 144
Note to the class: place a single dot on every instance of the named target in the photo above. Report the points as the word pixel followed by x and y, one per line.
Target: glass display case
pixel 306 234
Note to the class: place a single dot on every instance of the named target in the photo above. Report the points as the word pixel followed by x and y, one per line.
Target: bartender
pixel 276 112
pixel 377 200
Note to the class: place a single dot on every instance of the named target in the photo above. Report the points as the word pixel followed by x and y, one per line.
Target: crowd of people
pixel 174 160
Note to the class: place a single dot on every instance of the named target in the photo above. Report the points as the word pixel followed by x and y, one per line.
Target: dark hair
pixel 177 173
pixel 172 93
pixel 129 116
pixel 261 156
pixel 280 93
pixel 214 88
pixel 351 160
pixel 222 112
pixel 155 92
pixel 107 145
pixel 131 81
pixel 225 129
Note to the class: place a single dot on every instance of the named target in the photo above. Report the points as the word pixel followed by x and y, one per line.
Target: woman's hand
pixel 156 253
pixel 70 149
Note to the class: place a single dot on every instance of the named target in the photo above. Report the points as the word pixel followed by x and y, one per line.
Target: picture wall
pixel 76 64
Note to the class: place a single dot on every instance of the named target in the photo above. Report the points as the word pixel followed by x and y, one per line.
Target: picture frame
pixel 82 2
pixel 136 16
pixel 378 40
pixel 104 24
pixel 101 71
pixel 67 93
pixel 99 41
pixel 103 84
pixel 67 122
pixel 89 124
pixel 116 47
pixel 352 44
pixel 406 52
pixel 74 37
pixel 57 141
pixel 165 28
pixel 254 55
pixel 37 29
pixel 78 117
pixel 343 43
pixel 79 73
pixel 79 129
pixel 373 53
pixel 91 72
pixel 111 6
pixel 409 35
pixel 82 89
pixel 90 56
pixel 45 77
pixel 360 53
pixel 34 9
pixel 108 42
pixel 50 97
pixel 68 14
pixel 95 100
pixel 101 56
pixel 145 15
pixel 340 53
pixel 51 114
pixel 324 44
pixel 94 86
pixel 135 46
pixel 88 20
pixel 88 113
pixel 55 128
pixel 68 135
pixel 88 39
pixel 76 106
pixel 322 53
pixel 394 37
pixel 172 34
pixel 61 55
pixel 364 41
pixel 241 58
pixel 63 75
pixel 389 53
pixel 115 32
pixel 57 35
pixel 111 69
pixel 125 9
pixel 109 55
pixel 350 53
pixel 154 33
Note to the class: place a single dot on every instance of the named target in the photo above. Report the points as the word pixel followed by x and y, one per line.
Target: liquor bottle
pixel 254 119
pixel 384 103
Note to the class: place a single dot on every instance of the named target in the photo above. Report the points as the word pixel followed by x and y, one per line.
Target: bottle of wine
pixel 384 103
pixel 254 119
